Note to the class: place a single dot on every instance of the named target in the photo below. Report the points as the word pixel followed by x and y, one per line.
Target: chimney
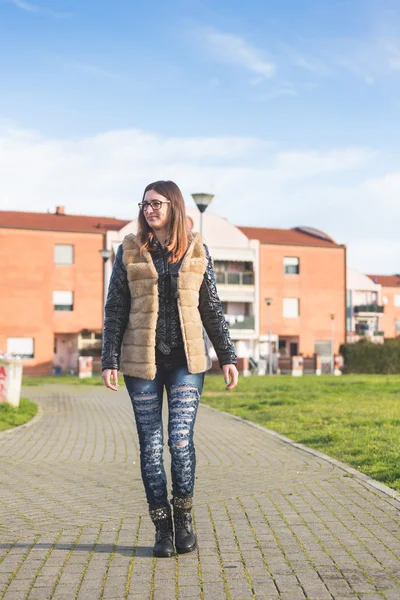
pixel 60 210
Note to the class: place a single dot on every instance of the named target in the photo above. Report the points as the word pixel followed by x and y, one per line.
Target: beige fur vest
pixel 138 344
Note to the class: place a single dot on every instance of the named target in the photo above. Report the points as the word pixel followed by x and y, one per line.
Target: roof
pixel 300 236
pixel 386 280
pixel 59 221
pixel 359 282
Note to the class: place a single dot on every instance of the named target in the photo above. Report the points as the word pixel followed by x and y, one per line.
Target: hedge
pixel 367 357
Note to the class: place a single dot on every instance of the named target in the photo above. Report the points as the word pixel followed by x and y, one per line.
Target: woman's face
pixel 156 219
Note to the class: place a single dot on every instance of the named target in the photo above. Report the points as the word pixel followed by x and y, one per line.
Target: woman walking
pixel 162 293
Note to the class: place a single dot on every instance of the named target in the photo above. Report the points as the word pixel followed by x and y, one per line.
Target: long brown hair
pixel 179 234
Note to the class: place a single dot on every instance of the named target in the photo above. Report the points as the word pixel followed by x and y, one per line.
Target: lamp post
pixel 105 254
pixel 333 344
pixel 202 202
pixel 268 302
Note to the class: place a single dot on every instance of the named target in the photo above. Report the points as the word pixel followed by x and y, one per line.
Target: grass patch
pixel 11 416
pixel 65 379
pixel 354 418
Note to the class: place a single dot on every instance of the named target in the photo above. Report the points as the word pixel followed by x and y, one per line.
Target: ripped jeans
pixel 183 392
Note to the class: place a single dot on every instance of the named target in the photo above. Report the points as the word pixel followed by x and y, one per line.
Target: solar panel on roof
pixel 315 232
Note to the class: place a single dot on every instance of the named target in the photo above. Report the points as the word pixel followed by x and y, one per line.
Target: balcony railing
pixel 368 308
pixel 366 332
pixel 233 278
pixel 239 322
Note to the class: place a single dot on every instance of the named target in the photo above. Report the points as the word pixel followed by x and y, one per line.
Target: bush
pixel 367 357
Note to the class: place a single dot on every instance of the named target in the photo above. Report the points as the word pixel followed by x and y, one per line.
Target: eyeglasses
pixel 155 204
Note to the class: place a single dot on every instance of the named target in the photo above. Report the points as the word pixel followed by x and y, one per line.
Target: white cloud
pixel 25 6
pixel 234 49
pixel 33 8
pixel 285 89
pixel 253 184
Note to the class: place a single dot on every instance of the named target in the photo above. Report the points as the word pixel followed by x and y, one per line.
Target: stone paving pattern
pixel 272 521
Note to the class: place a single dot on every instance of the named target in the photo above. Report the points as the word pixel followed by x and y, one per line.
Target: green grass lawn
pixel 354 418
pixel 10 416
pixel 65 379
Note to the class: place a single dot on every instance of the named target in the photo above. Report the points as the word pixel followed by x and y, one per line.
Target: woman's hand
pixel 230 376
pixel 110 378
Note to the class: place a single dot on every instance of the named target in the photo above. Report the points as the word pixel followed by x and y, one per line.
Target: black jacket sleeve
pixel 116 314
pixel 213 317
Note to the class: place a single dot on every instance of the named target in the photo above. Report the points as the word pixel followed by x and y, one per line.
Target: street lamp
pixel 333 344
pixel 105 254
pixel 202 202
pixel 268 302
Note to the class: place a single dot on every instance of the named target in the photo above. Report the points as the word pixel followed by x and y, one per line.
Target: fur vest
pixel 138 344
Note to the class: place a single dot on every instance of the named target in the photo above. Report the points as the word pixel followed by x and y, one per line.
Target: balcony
pixel 239 322
pixel 235 278
pixel 368 308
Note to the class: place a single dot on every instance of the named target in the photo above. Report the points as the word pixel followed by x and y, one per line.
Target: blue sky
pixel 288 111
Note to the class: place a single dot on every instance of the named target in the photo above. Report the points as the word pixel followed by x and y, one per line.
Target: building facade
pixel 390 285
pixel 56 270
pixel 51 301
pixel 303 274
pixel 365 311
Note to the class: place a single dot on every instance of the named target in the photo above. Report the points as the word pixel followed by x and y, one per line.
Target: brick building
pixel 390 302
pixel 54 281
pixel 303 272
pixel 51 301
pixel 364 308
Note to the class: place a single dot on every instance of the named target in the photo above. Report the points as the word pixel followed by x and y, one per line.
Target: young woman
pixel 162 296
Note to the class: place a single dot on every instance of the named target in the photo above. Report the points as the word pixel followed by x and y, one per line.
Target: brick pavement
pixel 272 521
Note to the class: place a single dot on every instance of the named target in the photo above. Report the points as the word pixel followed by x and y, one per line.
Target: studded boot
pixel 164 542
pixel 185 540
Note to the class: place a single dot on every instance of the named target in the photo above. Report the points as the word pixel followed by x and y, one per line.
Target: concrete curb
pixel 38 417
pixel 364 479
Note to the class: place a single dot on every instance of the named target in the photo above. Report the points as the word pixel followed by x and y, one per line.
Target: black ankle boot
pixel 185 540
pixel 164 542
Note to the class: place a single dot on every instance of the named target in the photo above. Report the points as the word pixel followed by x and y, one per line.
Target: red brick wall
pixel 391 312
pixel 320 287
pixel 28 278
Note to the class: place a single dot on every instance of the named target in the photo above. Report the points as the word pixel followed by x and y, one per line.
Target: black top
pixel 176 357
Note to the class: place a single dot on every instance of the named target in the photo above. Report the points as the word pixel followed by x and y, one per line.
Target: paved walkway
pixel 272 521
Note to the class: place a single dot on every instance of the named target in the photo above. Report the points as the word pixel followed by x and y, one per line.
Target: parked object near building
pixel 390 286
pixel 365 311
pixel 297 366
pixel 10 380
pixel 85 367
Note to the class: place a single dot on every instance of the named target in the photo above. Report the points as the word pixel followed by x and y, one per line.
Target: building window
pixel 323 348
pixel 397 299
pixel 291 308
pixel 397 326
pixel 63 300
pixel 22 347
pixel 233 272
pixel 63 254
pixel 291 265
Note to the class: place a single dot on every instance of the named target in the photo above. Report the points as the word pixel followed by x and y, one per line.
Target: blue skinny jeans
pixel 183 393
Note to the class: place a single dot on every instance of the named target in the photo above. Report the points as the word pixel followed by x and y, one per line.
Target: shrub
pixel 367 357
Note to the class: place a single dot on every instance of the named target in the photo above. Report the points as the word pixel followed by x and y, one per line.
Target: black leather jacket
pixel 168 331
